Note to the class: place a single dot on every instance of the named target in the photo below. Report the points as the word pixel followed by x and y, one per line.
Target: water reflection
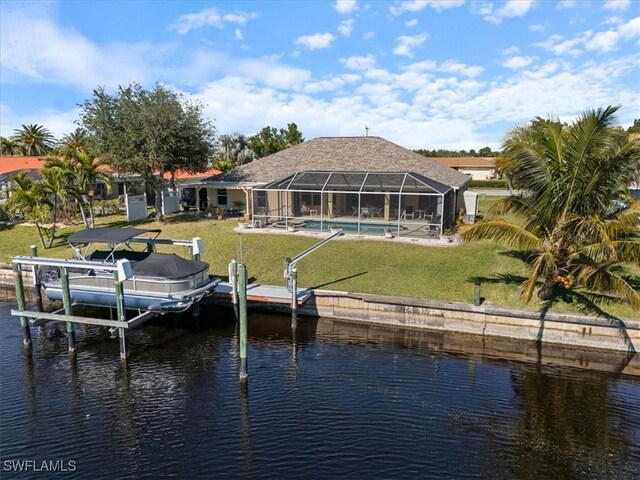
pixel 327 399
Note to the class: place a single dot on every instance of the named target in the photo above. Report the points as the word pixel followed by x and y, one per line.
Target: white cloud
pixel 345 6
pixel 512 8
pixel 517 62
pixel 606 41
pixel 631 29
pixel 603 41
pixel 237 33
pixel 359 63
pixel 536 28
pixel 210 17
pixel 616 4
pixel 411 23
pixel 406 44
pixel 510 51
pixel 346 27
pixel 368 35
pixel 316 41
pixel 565 4
pixel 418 5
pixel 461 69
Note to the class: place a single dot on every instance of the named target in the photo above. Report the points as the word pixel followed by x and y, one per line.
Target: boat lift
pixel 291 273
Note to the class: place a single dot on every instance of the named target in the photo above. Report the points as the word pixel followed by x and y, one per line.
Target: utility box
pixel 470 206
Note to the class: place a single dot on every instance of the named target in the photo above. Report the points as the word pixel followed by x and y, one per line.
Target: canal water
pixel 339 400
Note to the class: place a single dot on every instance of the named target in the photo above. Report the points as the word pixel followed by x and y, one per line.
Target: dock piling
pixel 294 298
pixel 36 280
pixel 24 322
pixel 68 309
pixel 242 294
pixel 233 280
pixel 477 300
pixel 124 352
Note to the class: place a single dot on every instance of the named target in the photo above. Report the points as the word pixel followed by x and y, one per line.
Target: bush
pixel 106 207
pixel 504 184
pixel 4 213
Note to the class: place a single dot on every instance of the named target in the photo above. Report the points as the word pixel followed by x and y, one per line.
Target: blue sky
pixel 424 74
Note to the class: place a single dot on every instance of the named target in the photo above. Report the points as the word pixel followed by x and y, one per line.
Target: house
pixel 478 167
pixel 120 185
pixel 11 166
pixel 361 183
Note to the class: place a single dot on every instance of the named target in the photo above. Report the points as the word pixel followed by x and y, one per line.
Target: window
pixel 222 196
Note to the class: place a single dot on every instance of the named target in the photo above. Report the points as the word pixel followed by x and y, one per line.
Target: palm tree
pixel 78 140
pixel 578 231
pixel 29 202
pixel 56 186
pixel 34 139
pixel 9 147
pixel 233 149
pixel 89 174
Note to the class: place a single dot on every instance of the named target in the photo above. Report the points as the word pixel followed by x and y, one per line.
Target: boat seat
pixel 132 256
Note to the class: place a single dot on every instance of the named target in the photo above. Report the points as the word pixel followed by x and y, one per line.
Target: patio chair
pixel 355 212
pixel 375 211
pixel 408 212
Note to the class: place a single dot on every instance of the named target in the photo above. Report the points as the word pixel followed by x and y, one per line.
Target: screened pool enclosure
pixel 403 204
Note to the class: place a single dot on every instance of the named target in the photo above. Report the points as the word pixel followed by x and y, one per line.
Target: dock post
pixel 294 298
pixel 233 279
pixel 124 353
pixel 68 310
pixel 24 322
pixel 476 293
pixel 242 273
pixel 36 280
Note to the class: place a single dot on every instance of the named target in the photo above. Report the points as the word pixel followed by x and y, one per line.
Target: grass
pixel 366 266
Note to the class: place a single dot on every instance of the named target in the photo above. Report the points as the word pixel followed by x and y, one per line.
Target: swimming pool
pixel 353 227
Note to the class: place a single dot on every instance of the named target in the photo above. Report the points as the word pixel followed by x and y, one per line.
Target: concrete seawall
pixel 486 320
pixel 416 313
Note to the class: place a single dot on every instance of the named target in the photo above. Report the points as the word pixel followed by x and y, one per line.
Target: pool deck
pixel 412 231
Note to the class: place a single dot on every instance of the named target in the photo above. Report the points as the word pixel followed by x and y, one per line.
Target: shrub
pixel 106 207
pixel 504 184
pixel 4 213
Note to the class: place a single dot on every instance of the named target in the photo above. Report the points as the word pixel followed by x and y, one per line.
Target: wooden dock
pixel 263 293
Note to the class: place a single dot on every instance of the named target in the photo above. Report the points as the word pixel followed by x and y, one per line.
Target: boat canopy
pixel 107 235
pixel 169 266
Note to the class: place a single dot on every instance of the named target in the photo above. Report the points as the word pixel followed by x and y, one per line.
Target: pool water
pixel 353 227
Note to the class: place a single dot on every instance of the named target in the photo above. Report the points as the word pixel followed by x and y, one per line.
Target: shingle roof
pixel 363 154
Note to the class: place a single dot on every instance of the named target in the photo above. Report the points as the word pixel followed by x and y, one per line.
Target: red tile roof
pixel 182 175
pixel 15 164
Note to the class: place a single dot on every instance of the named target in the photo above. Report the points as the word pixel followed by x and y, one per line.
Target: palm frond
pixel 607 278
pixel 506 233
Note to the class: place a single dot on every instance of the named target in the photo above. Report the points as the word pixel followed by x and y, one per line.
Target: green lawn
pixel 365 266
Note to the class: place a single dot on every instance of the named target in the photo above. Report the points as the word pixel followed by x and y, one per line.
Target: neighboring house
pixel 354 178
pixel 120 184
pixel 11 166
pixel 478 167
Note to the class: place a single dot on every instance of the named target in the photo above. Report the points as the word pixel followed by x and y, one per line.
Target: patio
pixel 368 203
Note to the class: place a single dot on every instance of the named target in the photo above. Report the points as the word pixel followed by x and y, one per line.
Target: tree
pixel 578 232
pixel 485 152
pixel 270 140
pixel 78 140
pixel 635 128
pixel 56 187
pixel 10 146
pixel 149 132
pixel 25 199
pixel 84 171
pixel 231 150
pixel 34 139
